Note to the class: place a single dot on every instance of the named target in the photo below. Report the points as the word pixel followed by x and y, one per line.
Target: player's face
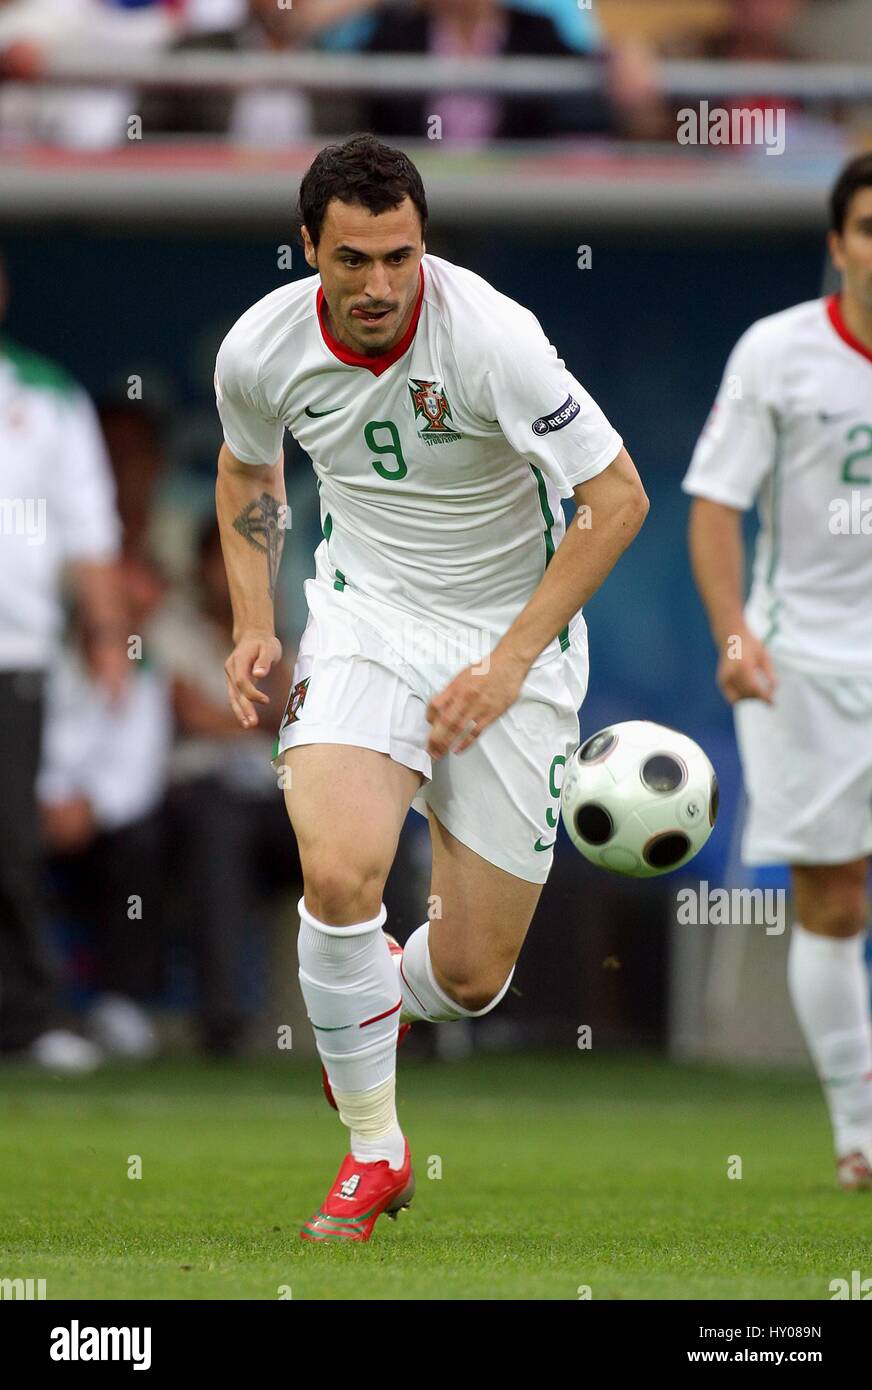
pixel 852 251
pixel 369 272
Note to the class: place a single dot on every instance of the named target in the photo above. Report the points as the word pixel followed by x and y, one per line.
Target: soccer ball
pixel 639 799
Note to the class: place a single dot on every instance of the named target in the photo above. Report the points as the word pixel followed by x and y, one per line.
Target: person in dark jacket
pixel 477 28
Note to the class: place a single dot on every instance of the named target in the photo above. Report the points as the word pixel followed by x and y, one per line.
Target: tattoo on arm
pixel 262 524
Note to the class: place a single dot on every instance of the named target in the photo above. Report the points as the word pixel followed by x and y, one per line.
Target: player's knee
pixel 832 900
pixel 342 892
pixel 840 914
pixel 477 993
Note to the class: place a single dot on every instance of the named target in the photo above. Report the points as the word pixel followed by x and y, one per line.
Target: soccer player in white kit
pixel 792 428
pixel 445 655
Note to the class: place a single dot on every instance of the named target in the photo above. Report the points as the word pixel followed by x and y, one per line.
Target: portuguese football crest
pixel 431 405
pixel 295 703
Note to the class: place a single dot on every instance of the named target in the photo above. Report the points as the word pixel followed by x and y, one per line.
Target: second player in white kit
pixel 792 430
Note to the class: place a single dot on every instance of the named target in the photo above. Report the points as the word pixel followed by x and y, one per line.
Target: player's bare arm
pixel 250 503
pixel 717 554
pixel 616 504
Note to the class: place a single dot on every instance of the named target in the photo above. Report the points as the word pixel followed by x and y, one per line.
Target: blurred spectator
pixel 839 33
pixel 746 30
pixel 201 16
pixel 736 29
pixel 760 31
pixel 82 20
pixel 57 515
pixel 213 15
pixel 350 24
pixel 477 28
pixel 757 30
pixel 265 116
pixel 133 436
pixel 231 842
pixel 101 787
pixel 577 26
pixel 78 117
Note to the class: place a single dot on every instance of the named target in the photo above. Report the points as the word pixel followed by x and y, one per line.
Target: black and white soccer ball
pixel 639 799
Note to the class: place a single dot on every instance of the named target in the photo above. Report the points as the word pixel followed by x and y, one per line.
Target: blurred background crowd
pixel 136 814
pixel 626 38
pixel 148 876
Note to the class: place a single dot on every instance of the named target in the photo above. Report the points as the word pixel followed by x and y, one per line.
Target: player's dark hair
pixel 364 171
pixel 855 175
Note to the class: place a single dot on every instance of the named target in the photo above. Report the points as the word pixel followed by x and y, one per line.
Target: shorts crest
pixel 295 702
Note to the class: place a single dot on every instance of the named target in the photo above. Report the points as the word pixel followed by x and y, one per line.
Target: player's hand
pixel 475 697
pixel 745 670
pixel 252 658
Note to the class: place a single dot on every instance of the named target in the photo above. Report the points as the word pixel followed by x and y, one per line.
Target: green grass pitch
pixel 556 1173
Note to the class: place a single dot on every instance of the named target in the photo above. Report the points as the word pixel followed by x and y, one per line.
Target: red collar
pixel 834 313
pixel 376 365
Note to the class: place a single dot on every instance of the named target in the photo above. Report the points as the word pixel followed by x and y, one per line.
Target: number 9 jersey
pixel 441 463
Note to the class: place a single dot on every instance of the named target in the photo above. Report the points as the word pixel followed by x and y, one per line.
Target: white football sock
pixel 829 986
pixel 349 983
pixel 422 997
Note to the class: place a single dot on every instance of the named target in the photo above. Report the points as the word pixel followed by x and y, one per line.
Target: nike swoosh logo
pixel 826 418
pixel 539 846
pixel 317 414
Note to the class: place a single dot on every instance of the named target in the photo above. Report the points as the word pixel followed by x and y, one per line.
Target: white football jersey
pixel 792 428
pixel 57 500
pixel 441 464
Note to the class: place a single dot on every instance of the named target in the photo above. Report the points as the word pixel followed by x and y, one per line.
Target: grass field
pixel 556 1173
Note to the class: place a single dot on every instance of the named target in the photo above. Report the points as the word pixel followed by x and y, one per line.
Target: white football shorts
pixel 807 764
pixel 501 797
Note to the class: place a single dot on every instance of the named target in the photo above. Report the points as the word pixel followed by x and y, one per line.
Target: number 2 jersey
pixel 792 428
pixel 441 464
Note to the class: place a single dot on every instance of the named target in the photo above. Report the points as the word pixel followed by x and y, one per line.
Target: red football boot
pixel 854 1172
pixel 396 950
pixel 361 1192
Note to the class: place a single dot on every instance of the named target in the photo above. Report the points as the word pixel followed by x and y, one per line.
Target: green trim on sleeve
pixel 548 518
pixel 777 479
pixel 36 371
